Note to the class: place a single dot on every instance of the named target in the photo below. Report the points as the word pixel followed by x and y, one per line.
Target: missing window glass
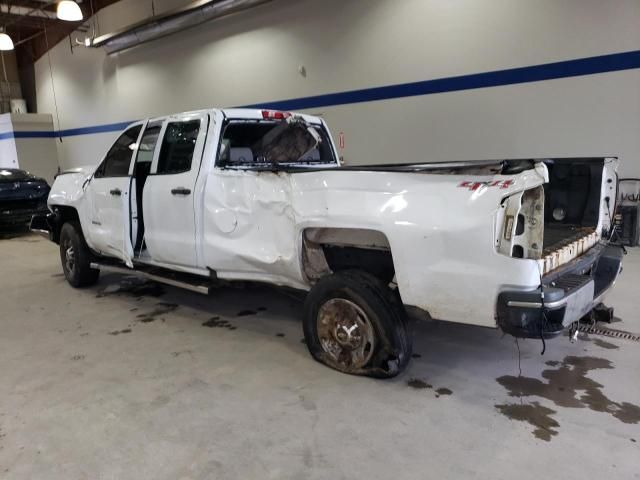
pixel 262 143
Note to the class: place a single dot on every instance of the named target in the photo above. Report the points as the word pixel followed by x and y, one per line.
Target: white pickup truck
pixel 201 197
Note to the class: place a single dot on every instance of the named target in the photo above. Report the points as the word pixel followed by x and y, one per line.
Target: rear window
pixel 247 143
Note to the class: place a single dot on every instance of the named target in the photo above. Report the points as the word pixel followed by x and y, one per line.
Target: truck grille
pixel 13 205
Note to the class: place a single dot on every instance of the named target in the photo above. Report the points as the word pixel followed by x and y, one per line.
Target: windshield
pixel 13 175
pixel 261 143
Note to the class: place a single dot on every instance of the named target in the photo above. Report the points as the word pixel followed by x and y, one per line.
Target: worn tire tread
pixel 392 330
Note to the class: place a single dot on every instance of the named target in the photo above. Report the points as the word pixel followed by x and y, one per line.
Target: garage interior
pixel 131 378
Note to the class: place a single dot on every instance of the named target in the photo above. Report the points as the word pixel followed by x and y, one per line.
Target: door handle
pixel 180 191
pixel 116 192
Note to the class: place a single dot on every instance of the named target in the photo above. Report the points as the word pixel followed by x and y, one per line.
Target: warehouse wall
pixel 253 57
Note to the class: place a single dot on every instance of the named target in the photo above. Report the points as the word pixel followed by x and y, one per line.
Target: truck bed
pixel 557 236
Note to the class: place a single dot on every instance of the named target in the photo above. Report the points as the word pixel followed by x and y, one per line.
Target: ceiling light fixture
pixel 5 42
pixel 69 11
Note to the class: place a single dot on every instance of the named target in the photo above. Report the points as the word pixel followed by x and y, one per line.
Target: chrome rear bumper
pixel 565 297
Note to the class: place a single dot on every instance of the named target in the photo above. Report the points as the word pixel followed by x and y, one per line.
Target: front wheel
pixel 354 323
pixel 76 257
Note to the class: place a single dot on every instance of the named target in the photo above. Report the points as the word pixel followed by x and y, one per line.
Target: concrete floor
pixel 108 383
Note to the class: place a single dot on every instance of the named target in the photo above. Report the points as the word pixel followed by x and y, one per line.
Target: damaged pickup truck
pixel 224 195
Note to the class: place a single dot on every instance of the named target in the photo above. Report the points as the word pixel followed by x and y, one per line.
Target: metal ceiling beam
pixel 27 12
pixel 33 28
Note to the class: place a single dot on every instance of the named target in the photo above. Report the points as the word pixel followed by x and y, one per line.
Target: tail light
pixel 275 115
pixel 520 228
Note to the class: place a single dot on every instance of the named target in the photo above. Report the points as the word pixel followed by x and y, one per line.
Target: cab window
pixel 251 143
pixel 118 159
pixel 148 143
pixel 178 145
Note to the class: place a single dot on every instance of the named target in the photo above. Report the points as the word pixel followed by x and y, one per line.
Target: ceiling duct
pixel 167 23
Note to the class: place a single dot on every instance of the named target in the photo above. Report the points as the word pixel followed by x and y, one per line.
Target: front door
pixel 169 193
pixel 108 192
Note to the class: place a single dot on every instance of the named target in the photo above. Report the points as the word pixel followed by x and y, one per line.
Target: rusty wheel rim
pixel 345 333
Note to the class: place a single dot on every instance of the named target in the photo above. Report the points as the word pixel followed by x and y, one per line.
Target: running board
pixel 168 277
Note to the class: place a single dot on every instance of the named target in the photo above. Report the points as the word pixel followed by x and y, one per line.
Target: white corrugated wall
pixel 253 57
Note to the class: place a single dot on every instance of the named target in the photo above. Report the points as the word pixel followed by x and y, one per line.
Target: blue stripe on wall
pixel 535 73
pixel 111 127
pixel 548 71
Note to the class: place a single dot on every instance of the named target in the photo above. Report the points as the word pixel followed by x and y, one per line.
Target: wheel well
pixel 327 250
pixel 63 214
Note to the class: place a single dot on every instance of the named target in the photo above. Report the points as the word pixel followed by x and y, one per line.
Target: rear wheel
pixel 354 323
pixel 76 257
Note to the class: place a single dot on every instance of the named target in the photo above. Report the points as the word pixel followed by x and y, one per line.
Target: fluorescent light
pixel 5 42
pixel 69 10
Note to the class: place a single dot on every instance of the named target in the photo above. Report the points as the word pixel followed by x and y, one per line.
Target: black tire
pixel 385 353
pixel 76 269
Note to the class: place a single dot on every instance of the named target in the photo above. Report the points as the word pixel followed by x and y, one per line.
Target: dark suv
pixel 22 195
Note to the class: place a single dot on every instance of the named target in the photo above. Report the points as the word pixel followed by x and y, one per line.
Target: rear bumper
pixel 569 294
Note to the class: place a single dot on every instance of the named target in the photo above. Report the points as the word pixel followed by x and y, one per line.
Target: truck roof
pixel 237 114
pixel 257 114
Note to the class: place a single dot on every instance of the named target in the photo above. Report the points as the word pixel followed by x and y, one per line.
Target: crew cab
pixel 235 194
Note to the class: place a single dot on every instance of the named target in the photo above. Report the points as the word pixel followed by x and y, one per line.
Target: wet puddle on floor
pixel 566 385
pixel 604 344
pixel 419 384
pixel 217 322
pixel 161 308
pixel 133 286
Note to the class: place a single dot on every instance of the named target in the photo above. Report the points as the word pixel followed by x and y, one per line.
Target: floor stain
pixel 118 332
pixel 443 391
pixel 161 308
pixel 181 352
pixel 280 335
pixel 418 384
pixel 217 322
pixel 133 286
pixel 604 344
pixel 75 358
pixel 566 386
pixel 244 313
pixel 534 414
pixel 416 355
pixel 307 404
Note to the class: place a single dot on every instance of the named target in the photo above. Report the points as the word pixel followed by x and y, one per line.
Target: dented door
pixel 249 229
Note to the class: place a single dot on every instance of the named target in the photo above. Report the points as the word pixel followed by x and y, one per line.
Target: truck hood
pixel 68 186
pixel 86 170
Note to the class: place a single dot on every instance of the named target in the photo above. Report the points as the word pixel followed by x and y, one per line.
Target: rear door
pixel 169 195
pixel 108 192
